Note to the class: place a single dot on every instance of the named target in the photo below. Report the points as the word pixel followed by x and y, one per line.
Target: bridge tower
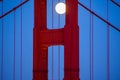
pixel 67 36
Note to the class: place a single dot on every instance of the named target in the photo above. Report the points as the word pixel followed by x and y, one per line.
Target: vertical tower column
pixel 71 42
pixel 40 50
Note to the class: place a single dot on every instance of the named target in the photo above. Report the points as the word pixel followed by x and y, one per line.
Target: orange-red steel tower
pixel 67 36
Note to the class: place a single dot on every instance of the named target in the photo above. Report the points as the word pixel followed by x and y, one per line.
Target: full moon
pixel 60 8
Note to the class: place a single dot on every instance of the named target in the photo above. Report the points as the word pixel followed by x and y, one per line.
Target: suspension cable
pixel 92 50
pixel 14 56
pixel 2 59
pixel 117 4
pixel 58 49
pixel 52 37
pixel 16 7
pixel 108 46
pixel 91 43
pixel 95 14
pixel 21 43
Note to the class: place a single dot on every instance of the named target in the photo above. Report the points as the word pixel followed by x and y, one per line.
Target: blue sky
pixel 99 43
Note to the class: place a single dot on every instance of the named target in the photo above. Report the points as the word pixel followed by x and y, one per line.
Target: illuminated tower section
pixel 67 36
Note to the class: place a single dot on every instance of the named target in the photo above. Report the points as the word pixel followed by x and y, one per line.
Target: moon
pixel 60 8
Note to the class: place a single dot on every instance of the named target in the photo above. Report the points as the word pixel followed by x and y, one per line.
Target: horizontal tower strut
pixel 52 37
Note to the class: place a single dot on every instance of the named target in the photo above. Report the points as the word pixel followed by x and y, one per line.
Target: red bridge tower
pixel 67 36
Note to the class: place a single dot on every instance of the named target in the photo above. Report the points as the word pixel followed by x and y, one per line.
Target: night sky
pixel 99 40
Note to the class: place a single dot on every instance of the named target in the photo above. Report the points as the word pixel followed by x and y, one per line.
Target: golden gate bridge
pixel 67 36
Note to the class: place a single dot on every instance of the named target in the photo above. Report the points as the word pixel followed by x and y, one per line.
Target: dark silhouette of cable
pixel 5 14
pixel 111 25
pixel 115 3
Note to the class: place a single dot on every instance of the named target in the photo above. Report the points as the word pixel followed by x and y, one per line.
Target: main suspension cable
pixel 16 7
pixel 95 14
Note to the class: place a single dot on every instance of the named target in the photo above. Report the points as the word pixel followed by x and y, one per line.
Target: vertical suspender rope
pixel 58 48
pixel 91 44
pixel 14 56
pixel 21 43
pixel 90 41
pixel 108 47
pixel 52 46
pixel 2 59
pixel 92 50
pixel 59 52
